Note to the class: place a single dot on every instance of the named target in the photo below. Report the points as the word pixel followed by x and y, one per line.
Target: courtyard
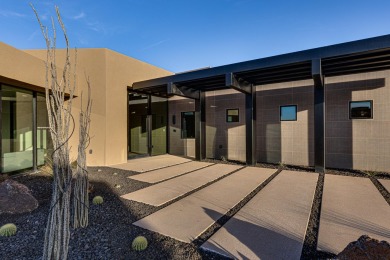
pixel 213 209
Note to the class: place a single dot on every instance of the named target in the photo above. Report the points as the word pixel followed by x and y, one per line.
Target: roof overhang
pixel 366 55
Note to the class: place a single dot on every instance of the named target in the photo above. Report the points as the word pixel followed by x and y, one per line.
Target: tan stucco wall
pixel 110 73
pixel 19 68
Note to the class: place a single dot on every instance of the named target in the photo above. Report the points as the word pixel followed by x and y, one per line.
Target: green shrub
pixel 8 230
pixel 139 243
pixel 97 200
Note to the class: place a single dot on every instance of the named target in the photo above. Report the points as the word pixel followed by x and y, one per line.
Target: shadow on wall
pixel 348 141
pixel 290 142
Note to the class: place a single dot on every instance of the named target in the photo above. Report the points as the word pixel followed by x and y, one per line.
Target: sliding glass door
pixel 17 129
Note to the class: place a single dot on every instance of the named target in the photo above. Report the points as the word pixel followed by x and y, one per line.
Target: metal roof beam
pixel 237 84
pixel 173 89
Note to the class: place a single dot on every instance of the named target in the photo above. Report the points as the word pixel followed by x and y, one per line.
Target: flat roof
pixel 365 55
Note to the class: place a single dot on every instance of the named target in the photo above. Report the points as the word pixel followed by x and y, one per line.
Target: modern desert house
pixel 326 107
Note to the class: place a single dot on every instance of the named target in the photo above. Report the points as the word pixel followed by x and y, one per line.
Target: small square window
pixel 288 113
pixel 360 109
pixel 232 115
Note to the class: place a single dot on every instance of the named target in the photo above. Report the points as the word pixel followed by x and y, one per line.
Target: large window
pixel 232 115
pixel 288 113
pixel 17 129
pixel 187 125
pixel 360 109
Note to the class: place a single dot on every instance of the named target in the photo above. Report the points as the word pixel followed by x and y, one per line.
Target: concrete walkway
pixel 166 191
pixel 386 184
pixel 186 219
pixel 151 163
pixel 273 224
pixel 351 207
pixel 169 172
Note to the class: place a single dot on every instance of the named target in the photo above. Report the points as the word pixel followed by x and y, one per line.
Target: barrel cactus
pixel 97 200
pixel 139 243
pixel 8 230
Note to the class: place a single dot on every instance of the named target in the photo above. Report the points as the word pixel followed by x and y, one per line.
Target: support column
pixel 200 127
pixel 250 126
pixel 319 116
pixel 149 125
pixel 34 132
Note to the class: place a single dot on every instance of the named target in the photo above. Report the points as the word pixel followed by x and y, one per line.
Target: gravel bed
pixel 110 233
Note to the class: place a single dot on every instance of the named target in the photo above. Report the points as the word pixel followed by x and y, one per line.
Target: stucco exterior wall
pixel 362 144
pixel 225 139
pixel 289 142
pixel 110 74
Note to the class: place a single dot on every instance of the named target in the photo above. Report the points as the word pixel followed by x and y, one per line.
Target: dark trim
pixel 296 113
pixel 250 126
pixel 35 132
pixel 168 130
pixel 1 129
pixel 361 118
pixel 200 127
pixel 128 125
pixel 231 81
pixel 173 89
pixel 319 116
pixel 226 118
pixel 252 71
pixel 149 125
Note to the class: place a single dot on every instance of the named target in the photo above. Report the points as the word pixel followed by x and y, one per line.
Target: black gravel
pixel 110 233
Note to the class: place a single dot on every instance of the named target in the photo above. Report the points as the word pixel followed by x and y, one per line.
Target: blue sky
pixel 181 35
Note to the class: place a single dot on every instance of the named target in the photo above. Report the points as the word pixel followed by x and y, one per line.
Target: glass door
pixel 159 125
pixel 138 134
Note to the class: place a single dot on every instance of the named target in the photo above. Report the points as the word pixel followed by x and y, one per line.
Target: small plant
pixel 281 165
pixel 139 243
pixel 371 173
pixel 223 158
pixel 97 200
pixel 8 230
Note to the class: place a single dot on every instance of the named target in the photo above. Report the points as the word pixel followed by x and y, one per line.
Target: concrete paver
pixel 151 163
pixel 386 184
pixel 186 219
pixel 166 191
pixel 273 224
pixel 351 207
pixel 169 172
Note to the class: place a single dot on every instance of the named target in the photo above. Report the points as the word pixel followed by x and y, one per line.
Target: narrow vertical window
pixel 187 125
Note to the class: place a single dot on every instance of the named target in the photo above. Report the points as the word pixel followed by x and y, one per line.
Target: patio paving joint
pixel 382 189
pixel 197 189
pixel 225 218
pixel 173 177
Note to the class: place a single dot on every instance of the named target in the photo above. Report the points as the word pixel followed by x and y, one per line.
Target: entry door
pixel 147 126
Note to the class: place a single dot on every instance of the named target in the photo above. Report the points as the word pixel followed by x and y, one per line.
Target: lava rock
pixel 366 248
pixel 16 198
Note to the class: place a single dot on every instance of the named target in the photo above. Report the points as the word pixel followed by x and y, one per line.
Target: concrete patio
pixel 273 223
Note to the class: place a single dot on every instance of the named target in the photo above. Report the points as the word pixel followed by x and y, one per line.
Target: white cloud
pixel 11 14
pixel 79 16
